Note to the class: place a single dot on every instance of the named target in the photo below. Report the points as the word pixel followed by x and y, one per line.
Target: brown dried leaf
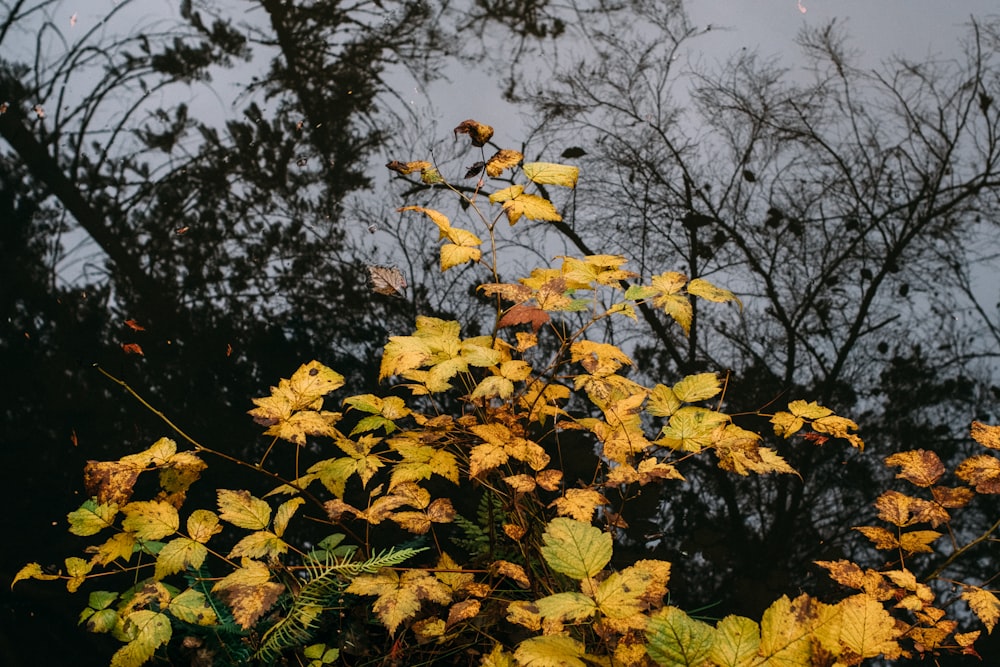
pixel 920 466
pixel 986 435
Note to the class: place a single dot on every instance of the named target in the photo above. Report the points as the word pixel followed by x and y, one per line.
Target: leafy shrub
pixel 455 534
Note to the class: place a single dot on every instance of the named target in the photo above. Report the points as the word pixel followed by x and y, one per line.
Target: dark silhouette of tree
pixel 849 209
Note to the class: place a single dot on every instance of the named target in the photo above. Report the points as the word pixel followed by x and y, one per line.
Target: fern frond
pixel 324 583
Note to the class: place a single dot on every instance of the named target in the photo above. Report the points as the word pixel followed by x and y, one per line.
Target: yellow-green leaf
pixel 243 510
pixel 32 571
pixel 285 512
pixel 575 549
pixel 91 518
pixel 202 525
pixel 150 520
pixel 193 607
pixel 569 606
pixel 147 631
pixel 675 639
pixel 550 173
pixel 698 387
pixel 259 544
pixel 178 554
pixel 709 292
pixel 553 651
pixel 737 639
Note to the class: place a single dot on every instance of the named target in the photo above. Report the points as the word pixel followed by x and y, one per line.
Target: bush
pixel 439 522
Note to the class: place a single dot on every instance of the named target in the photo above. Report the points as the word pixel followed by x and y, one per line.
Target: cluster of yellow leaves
pixel 294 409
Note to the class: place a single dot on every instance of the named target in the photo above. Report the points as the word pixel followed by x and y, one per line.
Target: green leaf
pixel 576 549
pixel 674 639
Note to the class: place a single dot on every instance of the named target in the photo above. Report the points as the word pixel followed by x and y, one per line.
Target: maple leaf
pixel 145 631
pixel 420 461
pixel 399 597
pixel 921 467
pixel 737 640
pixel 150 520
pixel 984 604
pixel 579 504
pixel 502 159
pixel 982 471
pixel 986 435
pixel 674 638
pixel 574 548
pixel 709 292
pixel 516 204
pixel 691 429
pixel 555 651
pixel 120 545
pixel 550 173
pixel 478 132
pixel 91 518
pixel 248 591
pixel 243 510
pixel 867 629
pixel 111 482
pixel 521 313
pixel 406 168
pixel 178 554
pixel 193 607
pixel 698 387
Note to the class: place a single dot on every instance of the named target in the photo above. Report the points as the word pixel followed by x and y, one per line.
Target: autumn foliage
pixel 411 532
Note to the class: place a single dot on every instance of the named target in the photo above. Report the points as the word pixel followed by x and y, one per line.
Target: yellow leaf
pixel 478 132
pixel 146 630
pixel 709 292
pixel 698 387
pixel 918 541
pixel 243 510
pixel 575 549
pixel 525 614
pixel 421 461
pixel 663 402
pixel 550 173
pixel 678 308
pixel 737 640
pixel 986 435
pixel 691 429
pixel 620 599
pixel 399 598
pixel 150 520
pixel 579 504
pixel 984 604
pixel 120 545
pixel 880 537
pixel 502 159
pixel 259 544
pixel 32 571
pixel 786 424
pixel 439 219
pixel 555 651
pixel 787 628
pixel 982 471
pixel 406 168
pixel 177 554
pixel 811 410
pixel 566 607
pixel 493 387
pixel 285 512
pixel 463 611
pixel 514 571
pixel 486 457
pixel 450 575
pixel 456 255
pixel 867 629
pixel 498 657
pixel 920 466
